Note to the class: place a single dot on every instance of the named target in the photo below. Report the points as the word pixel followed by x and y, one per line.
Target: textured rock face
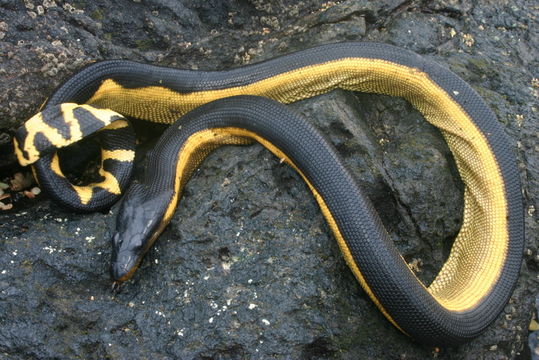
pixel 248 269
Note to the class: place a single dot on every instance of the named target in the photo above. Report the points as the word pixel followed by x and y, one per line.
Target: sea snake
pixel 475 281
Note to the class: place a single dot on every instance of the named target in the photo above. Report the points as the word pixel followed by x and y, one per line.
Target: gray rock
pixel 247 268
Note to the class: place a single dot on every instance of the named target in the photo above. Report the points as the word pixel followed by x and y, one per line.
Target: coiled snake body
pixel 475 282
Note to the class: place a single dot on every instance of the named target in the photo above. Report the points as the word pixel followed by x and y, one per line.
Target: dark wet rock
pixel 247 268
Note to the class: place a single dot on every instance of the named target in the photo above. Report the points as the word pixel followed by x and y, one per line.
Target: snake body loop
pixel 476 280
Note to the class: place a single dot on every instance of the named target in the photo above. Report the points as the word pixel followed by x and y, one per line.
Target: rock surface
pixel 247 269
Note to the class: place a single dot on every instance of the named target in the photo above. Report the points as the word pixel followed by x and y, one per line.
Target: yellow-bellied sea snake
pixel 474 283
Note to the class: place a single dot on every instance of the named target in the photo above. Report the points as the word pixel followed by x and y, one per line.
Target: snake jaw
pixel 123 266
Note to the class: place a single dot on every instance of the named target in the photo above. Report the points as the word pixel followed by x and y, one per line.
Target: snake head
pixel 137 227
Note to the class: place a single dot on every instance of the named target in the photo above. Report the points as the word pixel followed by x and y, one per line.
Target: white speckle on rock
pixel 265 321
pixel 49 249
pixel 252 306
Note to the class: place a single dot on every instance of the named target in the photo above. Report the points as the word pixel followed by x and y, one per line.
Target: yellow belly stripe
pixel 119 155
